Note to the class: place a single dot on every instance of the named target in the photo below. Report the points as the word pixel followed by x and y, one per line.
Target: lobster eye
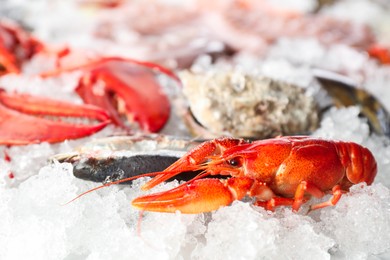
pixel 235 162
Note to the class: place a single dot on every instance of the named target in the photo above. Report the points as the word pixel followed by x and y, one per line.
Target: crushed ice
pixel 35 223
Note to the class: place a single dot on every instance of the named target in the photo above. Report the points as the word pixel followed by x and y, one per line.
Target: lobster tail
pixel 358 161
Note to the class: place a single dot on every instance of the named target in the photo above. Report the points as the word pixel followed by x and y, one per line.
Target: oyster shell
pixel 244 105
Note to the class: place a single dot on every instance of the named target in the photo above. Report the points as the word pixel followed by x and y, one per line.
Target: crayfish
pixel 283 171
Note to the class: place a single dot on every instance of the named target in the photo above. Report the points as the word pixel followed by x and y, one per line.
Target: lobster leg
pixel 267 199
pixel 275 202
pixel 299 198
pixel 313 190
pixel 337 192
pixel 305 187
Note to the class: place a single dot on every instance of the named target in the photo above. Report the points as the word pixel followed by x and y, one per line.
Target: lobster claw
pixel 196 196
pixel 124 87
pixel 18 126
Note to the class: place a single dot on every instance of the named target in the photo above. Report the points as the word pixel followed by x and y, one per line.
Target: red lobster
pixel 276 172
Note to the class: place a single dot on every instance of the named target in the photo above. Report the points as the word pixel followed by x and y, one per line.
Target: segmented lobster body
pixel 279 171
pixel 283 163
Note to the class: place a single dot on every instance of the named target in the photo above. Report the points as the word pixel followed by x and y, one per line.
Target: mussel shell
pixel 345 93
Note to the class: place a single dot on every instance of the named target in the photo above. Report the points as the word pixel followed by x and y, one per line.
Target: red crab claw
pixel 124 86
pixel 16 46
pixel 197 196
pixel 18 126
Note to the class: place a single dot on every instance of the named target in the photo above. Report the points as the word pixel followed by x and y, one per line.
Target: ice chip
pixel 360 222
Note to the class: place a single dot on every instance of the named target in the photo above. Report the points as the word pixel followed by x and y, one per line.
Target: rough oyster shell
pixel 243 105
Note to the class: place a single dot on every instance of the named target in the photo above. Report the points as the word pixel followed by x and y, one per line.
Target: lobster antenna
pixel 112 183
